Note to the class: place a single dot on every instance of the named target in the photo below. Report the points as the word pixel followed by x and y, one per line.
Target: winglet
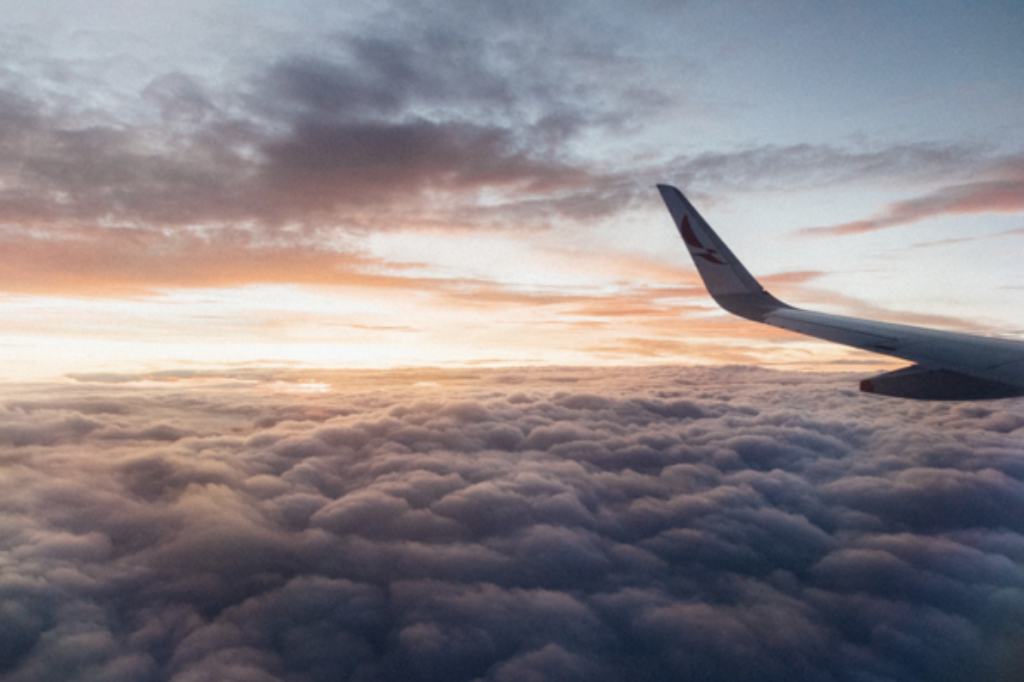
pixel 726 279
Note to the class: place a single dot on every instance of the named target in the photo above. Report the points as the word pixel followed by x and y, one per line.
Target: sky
pixel 352 341
pixel 335 184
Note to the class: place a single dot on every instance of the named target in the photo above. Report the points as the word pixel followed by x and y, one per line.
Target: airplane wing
pixel 949 365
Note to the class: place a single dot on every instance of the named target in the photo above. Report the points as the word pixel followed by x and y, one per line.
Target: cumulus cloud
pixel 666 523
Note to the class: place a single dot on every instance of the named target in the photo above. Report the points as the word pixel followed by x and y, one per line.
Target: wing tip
pixel 725 277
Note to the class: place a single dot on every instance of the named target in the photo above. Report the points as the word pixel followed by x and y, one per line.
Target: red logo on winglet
pixel 696 248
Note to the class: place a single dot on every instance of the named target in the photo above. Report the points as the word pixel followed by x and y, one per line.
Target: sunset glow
pixel 337 187
pixel 353 341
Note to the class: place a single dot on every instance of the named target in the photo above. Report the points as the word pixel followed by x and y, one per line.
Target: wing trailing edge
pixel 949 365
pixel 937 384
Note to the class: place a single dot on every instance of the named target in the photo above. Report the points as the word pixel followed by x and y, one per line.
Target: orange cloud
pixel 127 263
pixel 1003 193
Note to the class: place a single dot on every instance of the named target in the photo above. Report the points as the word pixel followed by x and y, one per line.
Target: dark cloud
pixel 704 524
pixel 437 117
pixel 378 118
pixel 181 99
pixel 402 125
pixel 363 163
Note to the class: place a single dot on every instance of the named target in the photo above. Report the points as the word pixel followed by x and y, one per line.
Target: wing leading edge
pixel 949 365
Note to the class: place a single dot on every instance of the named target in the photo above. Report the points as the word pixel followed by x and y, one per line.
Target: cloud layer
pixel 702 524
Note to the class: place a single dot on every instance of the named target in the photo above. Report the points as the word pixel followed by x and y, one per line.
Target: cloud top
pixel 706 524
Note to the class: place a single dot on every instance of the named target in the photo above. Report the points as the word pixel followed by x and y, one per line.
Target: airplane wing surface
pixel 949 365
